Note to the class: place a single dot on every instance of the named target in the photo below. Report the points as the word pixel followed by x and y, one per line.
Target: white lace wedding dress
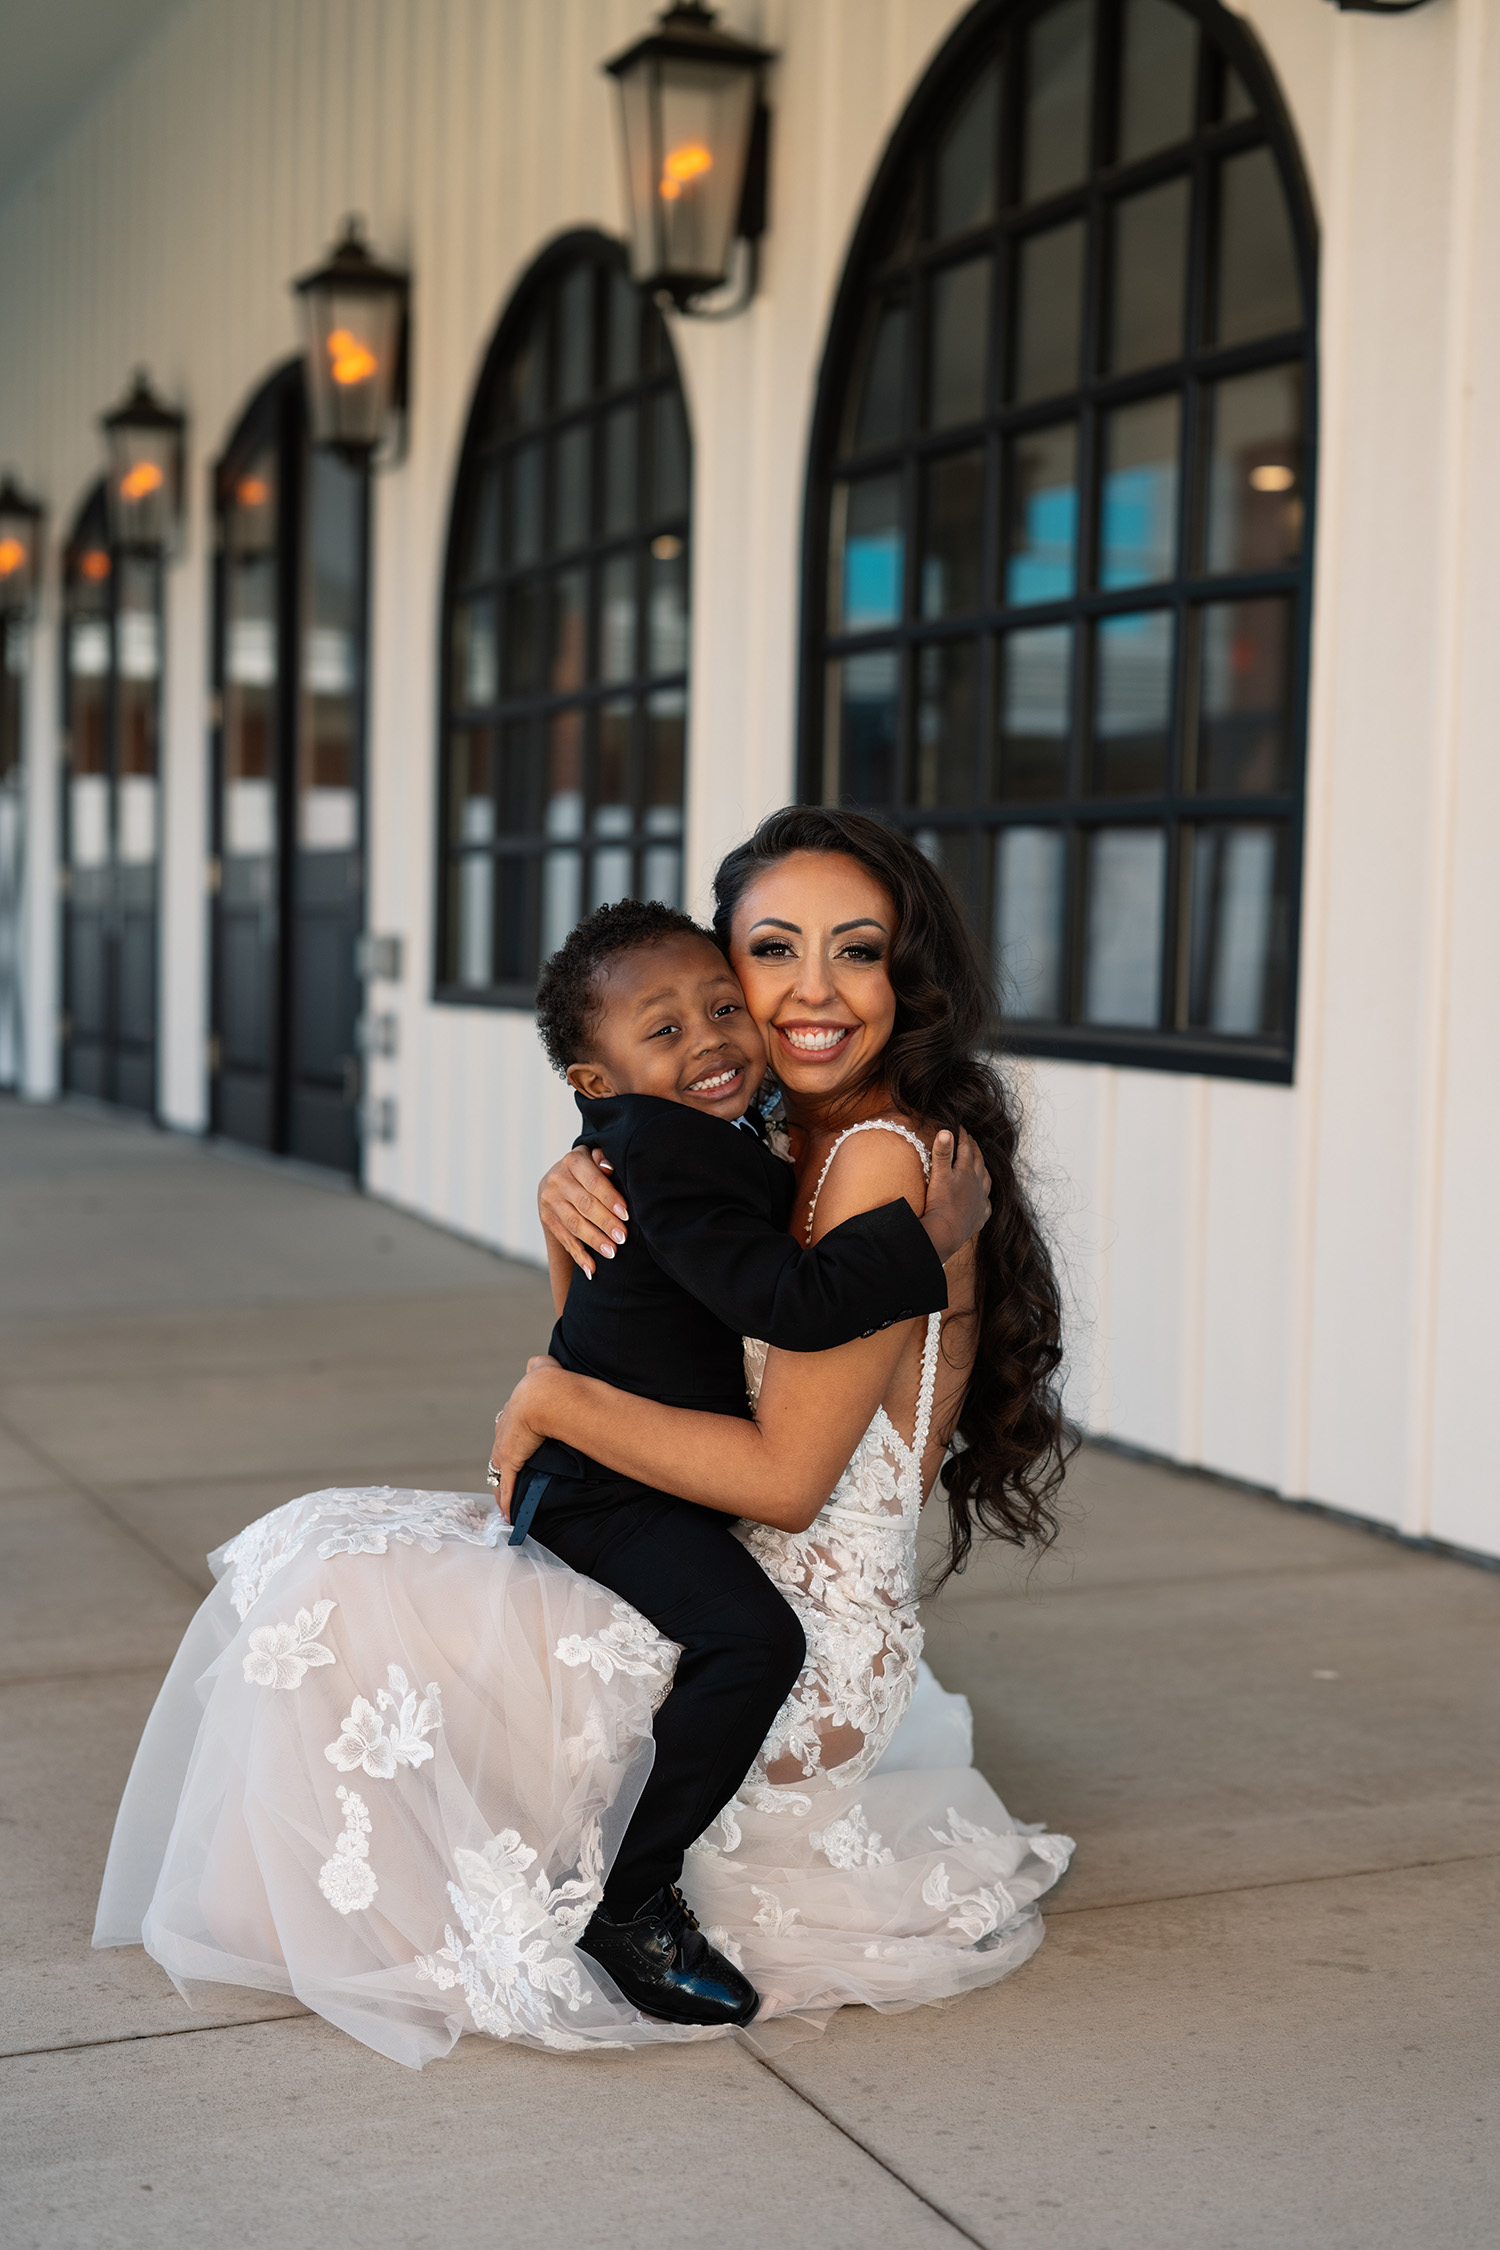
pixel 394 1757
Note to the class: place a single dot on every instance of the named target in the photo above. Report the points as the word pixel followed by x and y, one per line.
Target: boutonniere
pixel 773 1120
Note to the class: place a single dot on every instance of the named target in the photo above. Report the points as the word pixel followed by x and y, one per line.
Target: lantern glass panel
pixel 18 545
pixel 353 341
pixel 687 135
pixel 142 484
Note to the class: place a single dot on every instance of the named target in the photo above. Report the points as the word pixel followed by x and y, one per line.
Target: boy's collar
pixel 603 1110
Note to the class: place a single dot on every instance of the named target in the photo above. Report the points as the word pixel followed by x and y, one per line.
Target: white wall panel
pixel 1155 1155
pixel 1463 1345
pixel 1069 1112
pixel 1247 1266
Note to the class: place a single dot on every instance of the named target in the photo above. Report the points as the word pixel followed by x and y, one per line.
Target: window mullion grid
pixel 1086 609
pixel 1200 362
pixel 1105 108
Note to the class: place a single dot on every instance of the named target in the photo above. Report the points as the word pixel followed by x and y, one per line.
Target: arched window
pixel 566 626
pixel 1059 534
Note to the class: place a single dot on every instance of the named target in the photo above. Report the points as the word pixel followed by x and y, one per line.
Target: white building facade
pixel 1272 1178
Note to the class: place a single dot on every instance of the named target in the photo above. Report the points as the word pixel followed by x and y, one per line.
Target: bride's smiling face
pixel 811 944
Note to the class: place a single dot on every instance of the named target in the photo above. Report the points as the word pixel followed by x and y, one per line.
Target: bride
pixel 490 1710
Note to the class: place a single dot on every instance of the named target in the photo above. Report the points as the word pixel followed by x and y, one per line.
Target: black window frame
pixel 488 446
pixel 993 30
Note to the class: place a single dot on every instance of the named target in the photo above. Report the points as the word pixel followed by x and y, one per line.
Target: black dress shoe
pixel 666 1967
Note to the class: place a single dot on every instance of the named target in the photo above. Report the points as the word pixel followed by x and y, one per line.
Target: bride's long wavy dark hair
pixel 1013 1437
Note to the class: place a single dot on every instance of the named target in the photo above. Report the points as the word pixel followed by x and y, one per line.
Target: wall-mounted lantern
pixel 354 314
pixel 20 550
pixel 694 132
pixel 144 486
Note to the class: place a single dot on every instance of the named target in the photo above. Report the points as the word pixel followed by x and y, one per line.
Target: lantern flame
pixel 252 492
pixel 679 165
pixel 12 557
pixel 93 563
pixel 1273 476
pixel 143 479
pixel 351 361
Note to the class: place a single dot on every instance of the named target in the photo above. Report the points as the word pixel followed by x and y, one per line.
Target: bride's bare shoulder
pixel 867 1169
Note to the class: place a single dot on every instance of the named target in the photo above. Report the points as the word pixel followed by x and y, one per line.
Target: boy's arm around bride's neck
pixel 814 1406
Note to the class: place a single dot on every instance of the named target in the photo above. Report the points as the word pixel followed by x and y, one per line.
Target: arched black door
pixel 13 657
pixel 111 825
pixel 289 786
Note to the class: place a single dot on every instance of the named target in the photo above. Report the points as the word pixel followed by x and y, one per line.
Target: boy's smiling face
pixel 672 1022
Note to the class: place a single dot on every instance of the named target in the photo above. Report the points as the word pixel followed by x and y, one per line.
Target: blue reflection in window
pixel 1138 505
pixel 872 581
pixel 1041 562
pixel 1043 567
pixel 1139 524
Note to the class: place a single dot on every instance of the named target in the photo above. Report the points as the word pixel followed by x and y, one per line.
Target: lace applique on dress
pixel 281 1656
pixel 980 1913
pixel 627 1644
pixel 361 1520
pixel 848 1843
pixel 515 1965
pixel 364 1741
pixel 851 1578
pixel 347 1880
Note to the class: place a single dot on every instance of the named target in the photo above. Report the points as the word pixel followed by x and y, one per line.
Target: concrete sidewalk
pixel 1266 2012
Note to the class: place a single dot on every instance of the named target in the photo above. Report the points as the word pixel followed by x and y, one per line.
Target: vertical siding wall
pixel 1293 1286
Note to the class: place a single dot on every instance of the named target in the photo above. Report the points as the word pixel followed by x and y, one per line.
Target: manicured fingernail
pixel 621 1212
pixel 616 1234
pixel 605 1251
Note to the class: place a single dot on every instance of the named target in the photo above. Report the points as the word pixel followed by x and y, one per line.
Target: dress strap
pixel 868 1125
pixel 926 1394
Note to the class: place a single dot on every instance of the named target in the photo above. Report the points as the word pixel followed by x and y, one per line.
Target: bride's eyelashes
pixel 862 950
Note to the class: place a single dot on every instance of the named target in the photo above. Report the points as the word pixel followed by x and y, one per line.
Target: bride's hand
pixel 516 1435
pixel 958 1193
pixel 581 1208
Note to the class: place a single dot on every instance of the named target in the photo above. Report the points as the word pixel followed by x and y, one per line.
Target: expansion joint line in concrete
pixel 169 2031
pixel 873 2154
pixel 301 2015
pixel 1058 1909
pixel 97 1500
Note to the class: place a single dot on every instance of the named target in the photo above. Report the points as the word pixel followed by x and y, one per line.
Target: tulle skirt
pixel 392 1763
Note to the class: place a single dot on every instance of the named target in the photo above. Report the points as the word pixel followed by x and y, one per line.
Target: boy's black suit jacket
pixel 707 1261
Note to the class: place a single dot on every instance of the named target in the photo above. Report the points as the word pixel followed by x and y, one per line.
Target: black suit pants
pixel 742 1649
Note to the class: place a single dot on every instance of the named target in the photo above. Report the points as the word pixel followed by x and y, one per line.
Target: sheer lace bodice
pixel 851 1577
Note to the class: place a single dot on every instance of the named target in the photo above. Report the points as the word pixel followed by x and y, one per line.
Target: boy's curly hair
pixel 567 994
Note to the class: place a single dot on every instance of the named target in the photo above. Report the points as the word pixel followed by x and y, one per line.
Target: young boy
pixel 644 1017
